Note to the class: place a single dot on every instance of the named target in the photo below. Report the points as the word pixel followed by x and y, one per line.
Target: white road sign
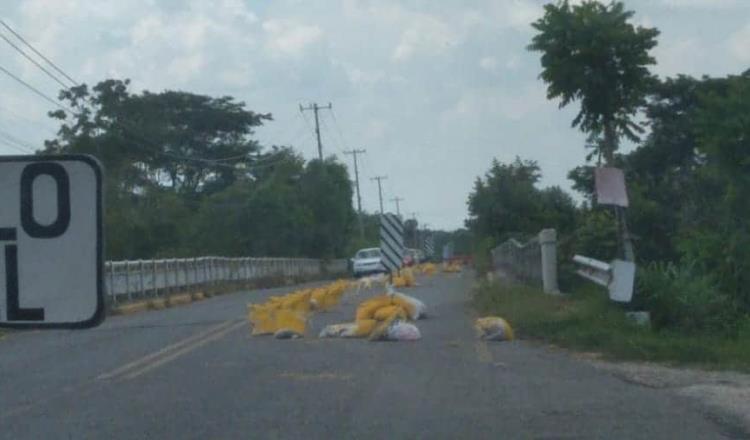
pixel 51 255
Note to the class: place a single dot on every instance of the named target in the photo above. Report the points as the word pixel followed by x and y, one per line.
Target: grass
pixel 588 321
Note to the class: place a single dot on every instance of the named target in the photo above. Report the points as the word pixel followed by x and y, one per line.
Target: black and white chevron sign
pixel 429 245
pixel 391 242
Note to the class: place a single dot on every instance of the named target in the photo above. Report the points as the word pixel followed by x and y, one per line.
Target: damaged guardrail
pixel 618 276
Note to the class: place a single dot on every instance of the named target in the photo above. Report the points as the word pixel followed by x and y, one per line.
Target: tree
pixel 173 139
pixel 327 191
pixel 592 54
pixel 507 203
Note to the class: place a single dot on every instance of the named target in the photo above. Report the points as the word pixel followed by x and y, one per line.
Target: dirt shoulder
pixel 725 394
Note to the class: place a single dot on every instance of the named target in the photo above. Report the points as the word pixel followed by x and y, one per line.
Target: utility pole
pixel 354 153
pixel 380 190
pixel 315 107
pixel 398 206
pixel 416 230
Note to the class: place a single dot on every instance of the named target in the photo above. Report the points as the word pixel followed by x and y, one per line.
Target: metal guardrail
pixel 128 280
pixel 618 276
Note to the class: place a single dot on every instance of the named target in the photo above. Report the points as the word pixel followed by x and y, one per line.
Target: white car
pixel 367 261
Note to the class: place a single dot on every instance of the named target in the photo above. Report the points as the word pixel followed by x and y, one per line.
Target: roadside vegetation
pixel 587 321
pixel 688 182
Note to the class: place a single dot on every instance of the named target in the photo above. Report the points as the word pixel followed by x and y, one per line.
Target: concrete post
pixel 548 243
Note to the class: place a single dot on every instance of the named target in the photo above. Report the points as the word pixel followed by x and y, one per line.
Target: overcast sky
pixel 432 89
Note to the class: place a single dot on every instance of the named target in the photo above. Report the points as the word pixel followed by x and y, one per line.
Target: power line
pixel 339 146
pixel 73 113
pixel 36 91
pixel 20 117
pixel 132 136
pixel 17 148
pixel 338 127
pixel 16 143
pixel 54 66
pixel 28 57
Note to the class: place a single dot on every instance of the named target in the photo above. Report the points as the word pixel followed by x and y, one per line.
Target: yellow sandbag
pixel 366 310
pixel 493 328
pixel 406 305
pixel 358 329
pixel 380 332
pixel 328 300
pixel 428 269
pixel 299 301
pixel 405 279
pixel 387 312
pixel 364 328
pixel 399 281
pixel 290 320
pixel 262 319
pixel 317 297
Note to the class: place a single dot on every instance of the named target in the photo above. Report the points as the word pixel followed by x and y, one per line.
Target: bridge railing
pixel 533 262
pixel 129 280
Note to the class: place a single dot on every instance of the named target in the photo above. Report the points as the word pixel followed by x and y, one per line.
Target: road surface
pixel 195 372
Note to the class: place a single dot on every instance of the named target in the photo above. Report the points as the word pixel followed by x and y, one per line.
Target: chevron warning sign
pixel 391 241
pixel 429 245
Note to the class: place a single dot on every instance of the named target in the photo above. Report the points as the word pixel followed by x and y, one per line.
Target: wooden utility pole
pixel 398 200
pixel 315 107
pixel 380 190
pixel 354 153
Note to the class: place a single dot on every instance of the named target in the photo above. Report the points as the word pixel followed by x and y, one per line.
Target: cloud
pixel 739 44
pixel 488 63
pixel 418 83
pixel 707 4
pixel 290 37
pixel 425 36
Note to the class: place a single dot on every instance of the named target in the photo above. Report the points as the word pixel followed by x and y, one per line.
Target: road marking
pixel 164 352
pixel 316 376
pixel 483 353
pixel 187 349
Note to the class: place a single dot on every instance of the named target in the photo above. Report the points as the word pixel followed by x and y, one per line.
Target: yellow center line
pixel 163 352
pixel 184 350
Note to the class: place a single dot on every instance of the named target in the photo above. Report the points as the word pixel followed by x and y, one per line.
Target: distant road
pixel 194 372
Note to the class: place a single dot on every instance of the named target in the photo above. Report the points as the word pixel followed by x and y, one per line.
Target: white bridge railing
pixel 533 262
pixel 128 280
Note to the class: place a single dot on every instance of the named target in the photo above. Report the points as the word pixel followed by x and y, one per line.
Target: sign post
pixel 51 242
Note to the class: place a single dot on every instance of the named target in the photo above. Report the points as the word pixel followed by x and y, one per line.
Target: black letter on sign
pixel 15 312
pixel 30 225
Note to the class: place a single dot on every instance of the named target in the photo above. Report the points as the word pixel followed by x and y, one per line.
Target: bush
pixel 680 298
pixel 723 252
pixel 587 320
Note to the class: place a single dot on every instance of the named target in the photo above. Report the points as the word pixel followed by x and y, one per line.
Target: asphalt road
pixel 195 372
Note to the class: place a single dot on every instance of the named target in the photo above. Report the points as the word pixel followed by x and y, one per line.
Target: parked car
pixel 366 262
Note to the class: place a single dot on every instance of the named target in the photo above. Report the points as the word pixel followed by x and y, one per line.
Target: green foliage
pixel 507 203
pixel 596 235
pixel 586 320
pixel 684 299
pixel 592 54
pixel 184 177
pixel 723 253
